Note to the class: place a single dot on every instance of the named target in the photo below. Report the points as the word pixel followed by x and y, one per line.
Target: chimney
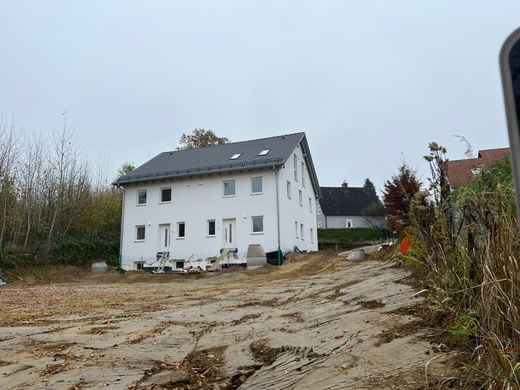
pixel 345 184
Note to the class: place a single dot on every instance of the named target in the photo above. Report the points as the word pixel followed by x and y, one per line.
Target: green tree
pixel 200 138
pixel 369 186
pixel 125 169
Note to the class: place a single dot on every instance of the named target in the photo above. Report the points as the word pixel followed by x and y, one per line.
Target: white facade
pixel 213 220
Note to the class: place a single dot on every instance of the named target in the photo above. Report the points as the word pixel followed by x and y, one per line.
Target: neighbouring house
pixel 193 203
pixel 349 207
pixel 460 172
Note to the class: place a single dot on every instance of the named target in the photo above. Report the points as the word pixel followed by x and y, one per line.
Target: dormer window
pixel 264 152
pixel 235 156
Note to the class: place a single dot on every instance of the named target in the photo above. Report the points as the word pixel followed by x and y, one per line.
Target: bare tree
pixel 9 150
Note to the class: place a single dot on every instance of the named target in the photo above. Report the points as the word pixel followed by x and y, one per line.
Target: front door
pixel 229 231
pixel 164 238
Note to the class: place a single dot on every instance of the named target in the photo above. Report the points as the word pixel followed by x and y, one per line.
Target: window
pixel 301 232
pixel 229 188
pixel 295 168
pixel 303 174
pixel 296 228
pixel 181 229
pixel 211 227
pixel 311 233
pixel 235 156
pixel 310 205
pixel 289 189
pixel 140 231
pixel 256 185
pixel 318 208
pixel 348 223
pixel 141 197
pixel 166 194
pixel 264 152
pixel 319 224
pixel 300 197
pixel 258 224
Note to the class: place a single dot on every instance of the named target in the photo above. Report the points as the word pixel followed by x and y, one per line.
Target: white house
pixel 350 207
pixel 193 203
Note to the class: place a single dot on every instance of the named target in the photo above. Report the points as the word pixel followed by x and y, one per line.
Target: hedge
pixel 352 236
pixel 64 251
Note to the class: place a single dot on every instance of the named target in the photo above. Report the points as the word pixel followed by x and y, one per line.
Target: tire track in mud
pixel 316 320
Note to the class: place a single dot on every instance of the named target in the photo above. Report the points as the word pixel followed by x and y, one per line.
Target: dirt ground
pixel 317 322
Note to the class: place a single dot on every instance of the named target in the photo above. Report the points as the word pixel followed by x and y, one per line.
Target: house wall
pixel 339 221
pixel 197 200
pixel 194 202
pixel 290 209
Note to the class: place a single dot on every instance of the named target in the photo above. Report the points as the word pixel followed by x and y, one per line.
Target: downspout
pixel 120 260
pixel 278 216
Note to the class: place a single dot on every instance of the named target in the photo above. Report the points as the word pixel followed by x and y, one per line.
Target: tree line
pixel 48 191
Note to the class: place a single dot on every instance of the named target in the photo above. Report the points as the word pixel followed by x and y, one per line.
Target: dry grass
pixel 471 250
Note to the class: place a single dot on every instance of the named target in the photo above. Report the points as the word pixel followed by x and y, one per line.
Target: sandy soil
pixel 317 322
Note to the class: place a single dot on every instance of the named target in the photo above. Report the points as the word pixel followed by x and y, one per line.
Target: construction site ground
pixel 317 322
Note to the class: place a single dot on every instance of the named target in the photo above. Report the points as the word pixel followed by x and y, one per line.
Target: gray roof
pixel 350 201
pixel 211 159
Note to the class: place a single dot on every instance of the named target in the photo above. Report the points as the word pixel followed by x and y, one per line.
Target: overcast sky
pixel 370 82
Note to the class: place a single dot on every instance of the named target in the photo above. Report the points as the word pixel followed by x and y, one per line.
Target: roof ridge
pixel 485 150
pixel 237 142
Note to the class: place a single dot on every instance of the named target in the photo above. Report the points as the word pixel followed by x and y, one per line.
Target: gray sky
pixel 370 82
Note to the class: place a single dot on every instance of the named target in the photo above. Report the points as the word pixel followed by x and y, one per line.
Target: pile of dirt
pixel 264 353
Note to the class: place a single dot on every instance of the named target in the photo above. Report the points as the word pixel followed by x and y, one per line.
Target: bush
pixel 470 249
pixel 64 251
pixel 72 251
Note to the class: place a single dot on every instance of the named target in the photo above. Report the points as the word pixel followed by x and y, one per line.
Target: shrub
pixel 469 245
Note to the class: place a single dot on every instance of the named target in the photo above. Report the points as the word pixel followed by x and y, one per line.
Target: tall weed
pixel 470 246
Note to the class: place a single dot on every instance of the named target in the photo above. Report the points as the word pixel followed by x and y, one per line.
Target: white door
pixel 164 238
pixel 229 232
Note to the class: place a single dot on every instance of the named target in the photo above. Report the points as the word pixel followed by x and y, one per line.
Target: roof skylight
pixel 235 156
pixel 264 152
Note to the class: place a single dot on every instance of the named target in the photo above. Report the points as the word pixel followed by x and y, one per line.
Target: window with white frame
pixel 229 188
pixel 166 195
pixel 235 156
pixel 303 174
pixel 289 189
pixel 300 197
pixel 256 185
pixel 296 228
pixel 211 228
pixel 181 229
pixel 295 158
pixel 258 224
pixel 301 232
pixel 311 233
pixel 264 152
pixel 348 223
pixel 140 232
pixel 310 205
pixel 141 197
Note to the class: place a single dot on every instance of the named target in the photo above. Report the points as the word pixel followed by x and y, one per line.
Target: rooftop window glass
pixel 235 156
pixel 264 152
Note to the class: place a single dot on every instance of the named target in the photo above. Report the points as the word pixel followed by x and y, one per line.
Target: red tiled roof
pixel 460 172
